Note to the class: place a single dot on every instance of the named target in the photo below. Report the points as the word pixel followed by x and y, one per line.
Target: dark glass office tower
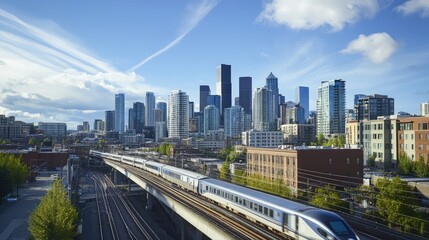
pixel 136 119
pixel 109 121
pixel 204 93
pixel 223 87
pixel 245 94
pixel 273 86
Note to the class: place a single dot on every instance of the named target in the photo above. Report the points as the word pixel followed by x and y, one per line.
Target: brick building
pixel 305 167
pixel 413 137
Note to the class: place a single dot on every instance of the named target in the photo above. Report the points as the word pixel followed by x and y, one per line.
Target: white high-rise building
pixel 424 109
pixel 211 118
pixel 149 107
pixel 263 113
pixel 331 108
pixel 234 121
pixel 119 112
pixel 178 116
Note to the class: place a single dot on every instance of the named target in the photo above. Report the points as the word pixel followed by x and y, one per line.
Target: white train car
pixel 184 178
pixel 294 219
pixel 153 167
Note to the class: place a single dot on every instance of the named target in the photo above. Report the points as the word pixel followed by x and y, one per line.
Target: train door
pixel 285 222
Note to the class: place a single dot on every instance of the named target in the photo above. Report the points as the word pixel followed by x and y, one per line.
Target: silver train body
pixel 293 219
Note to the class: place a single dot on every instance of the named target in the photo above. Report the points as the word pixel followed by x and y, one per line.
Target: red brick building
pixel 307 167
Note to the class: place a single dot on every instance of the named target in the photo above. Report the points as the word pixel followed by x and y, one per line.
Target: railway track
pixel 237 226
pixel 123 220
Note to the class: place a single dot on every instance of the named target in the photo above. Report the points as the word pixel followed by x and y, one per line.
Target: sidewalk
pixel 14 216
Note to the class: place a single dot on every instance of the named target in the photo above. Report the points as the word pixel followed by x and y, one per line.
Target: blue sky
pixel 64 61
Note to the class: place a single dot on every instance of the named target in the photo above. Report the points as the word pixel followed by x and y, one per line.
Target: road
pixel 14 216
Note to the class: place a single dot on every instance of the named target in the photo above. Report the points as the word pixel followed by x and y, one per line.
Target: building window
pixel 357 160
pixel 420 146
pixel 420 136
pixel 412 136
pixel 348 160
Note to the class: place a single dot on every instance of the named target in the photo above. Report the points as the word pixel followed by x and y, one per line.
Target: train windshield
pixel 339 228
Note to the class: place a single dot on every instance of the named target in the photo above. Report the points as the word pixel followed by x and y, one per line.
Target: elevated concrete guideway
pixel 208 228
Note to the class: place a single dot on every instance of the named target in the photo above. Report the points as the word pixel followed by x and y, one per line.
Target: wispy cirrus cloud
pixel 197 14
pixel 45 77
pixel 308 14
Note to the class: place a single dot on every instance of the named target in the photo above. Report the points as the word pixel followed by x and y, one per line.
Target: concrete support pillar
pixel 182 229
pixel 149 201
pixel 198 234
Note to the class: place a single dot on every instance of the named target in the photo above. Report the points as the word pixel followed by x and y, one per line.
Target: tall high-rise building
pixel 282 99
pixel 98 125
pixel 119 112
pixel 234 121
pixel 109 121
pixel 331 107
pixel 163 107
pixel 214 100
pixel 372 106
pixel 178 116
pixel 149 107
pixel 424 109
pixel 272 84
pixel 158 115
pixel 245 93
pixel 302 98
pixel 237 101
pixel 85 126
pixel 191 109
pixel 357 97
pixel 211 118
pixel 204 93
pixel 223 87
pixel 262 113
pixel 136 120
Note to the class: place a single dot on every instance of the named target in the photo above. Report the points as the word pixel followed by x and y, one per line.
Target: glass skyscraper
pixel 331 108
pixel 214 100
pixel 372 106
pixel 245 94
pixel 272 83
pixel 149 107
pixel 302 98
pixel 234 121
pixel 262 113
pixel 223 87
pixel 211 118
pixel 163 107
pixel 119 112
pixel 109 121
pixel 204 93
pixel 136 119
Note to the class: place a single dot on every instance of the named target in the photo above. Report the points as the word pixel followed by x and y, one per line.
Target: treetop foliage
pixel 54 217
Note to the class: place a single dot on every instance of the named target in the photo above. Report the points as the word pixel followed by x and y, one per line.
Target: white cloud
pixel 378 47
pixel 198 13
pixel 309 14
pixel 414 6
pixel 46 78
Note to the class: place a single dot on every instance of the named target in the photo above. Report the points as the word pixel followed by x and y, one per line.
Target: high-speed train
pixel 291 218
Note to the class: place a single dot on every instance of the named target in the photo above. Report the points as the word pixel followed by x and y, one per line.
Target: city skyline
pixel 48 57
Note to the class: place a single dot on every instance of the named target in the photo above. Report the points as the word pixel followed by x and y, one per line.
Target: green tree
pixel 225 171
pixel 203 168
pixel 327 197
pixel 55 217
pixel 239 177
pixel 6 184
pixel 405 163
pixel 421 169
pixel 397 204
pixel 320 140
pixel 17 169
pixel 371 160
pixel 162 148
pixel 168 149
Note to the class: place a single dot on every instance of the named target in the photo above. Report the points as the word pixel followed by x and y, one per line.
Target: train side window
pixel 265 211
pixel 256 207
pixel 244 202
pixel 260 209
pixel 236 199
pixel 251 205
pixel 218 192
pixel 271 213
pixel 207 188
